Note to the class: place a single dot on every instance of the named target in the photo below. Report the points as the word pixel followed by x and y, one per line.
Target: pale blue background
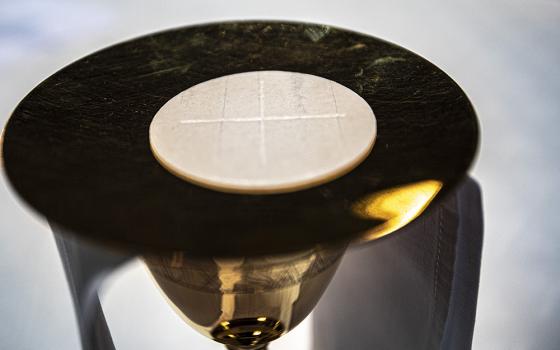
pixel 504 53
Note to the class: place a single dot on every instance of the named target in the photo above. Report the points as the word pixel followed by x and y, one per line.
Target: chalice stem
pixel 261 347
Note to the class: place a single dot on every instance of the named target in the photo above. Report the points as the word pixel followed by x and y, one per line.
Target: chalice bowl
pixel 245 303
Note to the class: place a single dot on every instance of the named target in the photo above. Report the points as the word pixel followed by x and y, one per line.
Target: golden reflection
pixel 396 206
pixel 245 303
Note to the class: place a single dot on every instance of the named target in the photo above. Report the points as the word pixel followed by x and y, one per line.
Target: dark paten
pixel 77 150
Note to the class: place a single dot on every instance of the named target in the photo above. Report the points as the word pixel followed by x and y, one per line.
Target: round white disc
pixel 263 132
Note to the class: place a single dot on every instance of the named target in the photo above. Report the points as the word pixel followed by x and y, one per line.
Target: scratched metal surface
pixel 504 54
pixel 86 129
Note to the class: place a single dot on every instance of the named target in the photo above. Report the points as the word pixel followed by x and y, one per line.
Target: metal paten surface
pixel 77 147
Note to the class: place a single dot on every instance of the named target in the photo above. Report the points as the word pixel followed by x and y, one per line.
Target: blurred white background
pixel 504 54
